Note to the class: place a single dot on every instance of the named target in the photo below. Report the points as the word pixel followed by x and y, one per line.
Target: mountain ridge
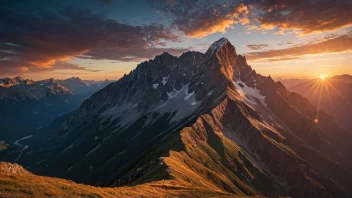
pixel 207 120
pixel 26 104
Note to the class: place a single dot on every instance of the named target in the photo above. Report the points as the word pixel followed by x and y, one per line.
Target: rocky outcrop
pixel 9 168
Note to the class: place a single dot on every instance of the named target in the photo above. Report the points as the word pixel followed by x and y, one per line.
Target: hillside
pixel 22 184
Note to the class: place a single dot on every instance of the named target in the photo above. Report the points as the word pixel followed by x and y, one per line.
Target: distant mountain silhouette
pixel 333 95
pixel 26 105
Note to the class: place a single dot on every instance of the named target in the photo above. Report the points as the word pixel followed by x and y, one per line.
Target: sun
pixel 322 77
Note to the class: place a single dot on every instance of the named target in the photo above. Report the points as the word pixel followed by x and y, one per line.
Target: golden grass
pixel 30 185
pixel 209 160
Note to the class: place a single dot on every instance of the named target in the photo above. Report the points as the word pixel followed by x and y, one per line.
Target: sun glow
pixel 322 77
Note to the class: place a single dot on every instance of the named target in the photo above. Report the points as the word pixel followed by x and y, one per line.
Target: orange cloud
pixel 73 33
pixel 266 26
pixel 239 9
pixel 336 44
pixel 306 17
pixel 197 20
pixel 50 59
pixel 219 22
pixel 23 69
pixel 209 27
pixel 257 46
pixel 244 21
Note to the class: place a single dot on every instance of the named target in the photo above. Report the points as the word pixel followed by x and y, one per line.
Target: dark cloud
pixel 200 18
pixel 305 16
pixel 130 54
pixel 107 1
pixel 257 47
pixel 39 40
pixel 342 43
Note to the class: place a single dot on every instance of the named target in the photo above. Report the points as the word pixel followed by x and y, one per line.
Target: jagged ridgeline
pixel 27 105
pixel 203 120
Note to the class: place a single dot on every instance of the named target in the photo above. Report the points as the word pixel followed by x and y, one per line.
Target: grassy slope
pixel 212 161
pixel 201 163
pixel 30 185
pixel 199 155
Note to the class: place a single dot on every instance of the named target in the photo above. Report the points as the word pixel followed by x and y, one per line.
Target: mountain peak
pixel 223 45
pixel 74 78
pixel 217 45
pixel 18 77
pixel 223 53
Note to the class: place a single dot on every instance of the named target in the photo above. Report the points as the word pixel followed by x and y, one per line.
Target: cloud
pixel 62 65
pixel 23 69
pixel 336 44
pixel 305 17
pixel 257 47
pixel 197 19
pixel 45 40
pixel 244 21
pixel 279 59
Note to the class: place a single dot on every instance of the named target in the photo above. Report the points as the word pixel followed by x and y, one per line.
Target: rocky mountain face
pixel 333 95
pixel 26 104
pixel 202 120
pixel 8 82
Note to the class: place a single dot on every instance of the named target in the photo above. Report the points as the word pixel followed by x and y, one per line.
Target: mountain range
pixel 26 104
pixel 203 123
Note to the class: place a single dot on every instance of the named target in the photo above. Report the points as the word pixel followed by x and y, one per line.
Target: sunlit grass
pixel 30 185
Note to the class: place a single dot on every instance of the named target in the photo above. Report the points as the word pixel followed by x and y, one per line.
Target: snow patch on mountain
pixel 156 85
pixel 253 98
pixel 216 45
pixel 165 79
pixel 188 95
pixel 249 94
pixel 183 104
pixel 127 113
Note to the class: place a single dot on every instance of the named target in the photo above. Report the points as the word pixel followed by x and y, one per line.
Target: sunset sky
pixel 103 39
